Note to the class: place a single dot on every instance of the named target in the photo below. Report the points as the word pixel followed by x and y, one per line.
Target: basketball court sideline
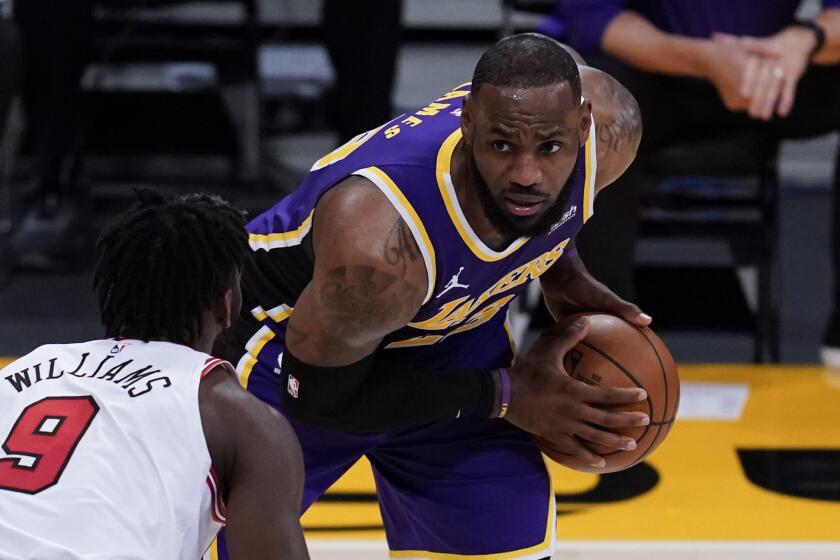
pixel 609 550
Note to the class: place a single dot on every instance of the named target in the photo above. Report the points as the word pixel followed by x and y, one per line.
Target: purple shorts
pixel 459 487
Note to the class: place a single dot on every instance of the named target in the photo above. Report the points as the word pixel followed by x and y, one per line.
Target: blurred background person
pixel 363 39
pixel 55 38
pixel 70 49
pixel 701 66
pixel 62 41
pixel 10 69
pixel 10 79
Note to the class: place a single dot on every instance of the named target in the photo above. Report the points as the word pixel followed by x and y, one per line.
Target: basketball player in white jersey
pixel 142 445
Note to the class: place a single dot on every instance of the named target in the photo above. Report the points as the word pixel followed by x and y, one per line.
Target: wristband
pixel 504 401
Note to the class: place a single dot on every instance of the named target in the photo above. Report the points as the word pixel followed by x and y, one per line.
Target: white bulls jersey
pixel 104 454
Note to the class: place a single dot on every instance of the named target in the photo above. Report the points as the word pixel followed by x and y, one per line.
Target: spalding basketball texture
pixel 618 354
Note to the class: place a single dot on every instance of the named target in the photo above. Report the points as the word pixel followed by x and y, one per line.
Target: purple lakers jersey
pixel 463 320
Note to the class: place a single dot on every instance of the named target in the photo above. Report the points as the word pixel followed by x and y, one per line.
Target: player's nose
pixel 526 171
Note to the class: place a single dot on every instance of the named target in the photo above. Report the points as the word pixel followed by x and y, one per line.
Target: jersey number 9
pixel 46 433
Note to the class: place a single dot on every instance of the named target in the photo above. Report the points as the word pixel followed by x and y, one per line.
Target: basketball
pixel 618 354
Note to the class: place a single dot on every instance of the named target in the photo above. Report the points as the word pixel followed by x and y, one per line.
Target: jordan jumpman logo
pixel 453 283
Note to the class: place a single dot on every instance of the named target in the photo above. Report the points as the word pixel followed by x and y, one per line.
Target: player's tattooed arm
pixel 369 278
pixel 618 124
pixel 400 246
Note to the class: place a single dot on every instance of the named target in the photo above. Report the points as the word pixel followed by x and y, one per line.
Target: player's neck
pixel 203 343
pixel 466 190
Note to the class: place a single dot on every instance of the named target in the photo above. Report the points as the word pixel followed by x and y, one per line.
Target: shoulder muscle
pixel 618 123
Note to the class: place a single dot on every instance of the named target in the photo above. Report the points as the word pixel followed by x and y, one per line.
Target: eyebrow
pixel 543 134
pixel 551 133
pixel 496 129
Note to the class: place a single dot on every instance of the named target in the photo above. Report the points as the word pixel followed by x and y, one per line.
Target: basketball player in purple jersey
pixel 375 307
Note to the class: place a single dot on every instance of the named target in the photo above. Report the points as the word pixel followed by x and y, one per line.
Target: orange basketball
pixel 618 354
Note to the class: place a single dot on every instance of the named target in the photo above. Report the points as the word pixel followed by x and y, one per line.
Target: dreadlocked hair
pixel 165 261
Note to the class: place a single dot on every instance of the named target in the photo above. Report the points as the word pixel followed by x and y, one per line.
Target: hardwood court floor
pixel 751 470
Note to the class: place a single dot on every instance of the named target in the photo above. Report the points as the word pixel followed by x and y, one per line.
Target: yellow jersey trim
pixel 425 340
pixel 277 314
pixel 259 241
pixel 252 350
pixel 347 148
pixel 509 330
pixel 453 208
pixel 214 549
pixel 591 162
pixel 535 552
pixel 395 196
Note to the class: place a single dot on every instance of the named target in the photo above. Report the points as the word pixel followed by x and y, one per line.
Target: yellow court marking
pixel 702 491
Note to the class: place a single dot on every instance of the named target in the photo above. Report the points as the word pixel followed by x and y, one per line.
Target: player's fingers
pixel 622 419
pixel 631 313
pixel 560 340
pixel 605 438
pixel 609 395
pixel 565 444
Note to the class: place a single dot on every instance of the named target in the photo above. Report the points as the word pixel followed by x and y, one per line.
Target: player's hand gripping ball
pixel 618 354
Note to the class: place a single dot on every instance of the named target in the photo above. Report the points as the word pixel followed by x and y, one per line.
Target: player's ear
pixel 585 120
pixel 467 121
pixel 224 309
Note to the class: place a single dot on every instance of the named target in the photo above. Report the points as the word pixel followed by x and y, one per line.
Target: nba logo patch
pixel 293 387
pixel 117 348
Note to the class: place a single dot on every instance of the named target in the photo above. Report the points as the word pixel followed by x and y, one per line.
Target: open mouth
pixel 523 206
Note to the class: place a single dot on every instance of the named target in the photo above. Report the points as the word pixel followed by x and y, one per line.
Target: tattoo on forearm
pixel 400 245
